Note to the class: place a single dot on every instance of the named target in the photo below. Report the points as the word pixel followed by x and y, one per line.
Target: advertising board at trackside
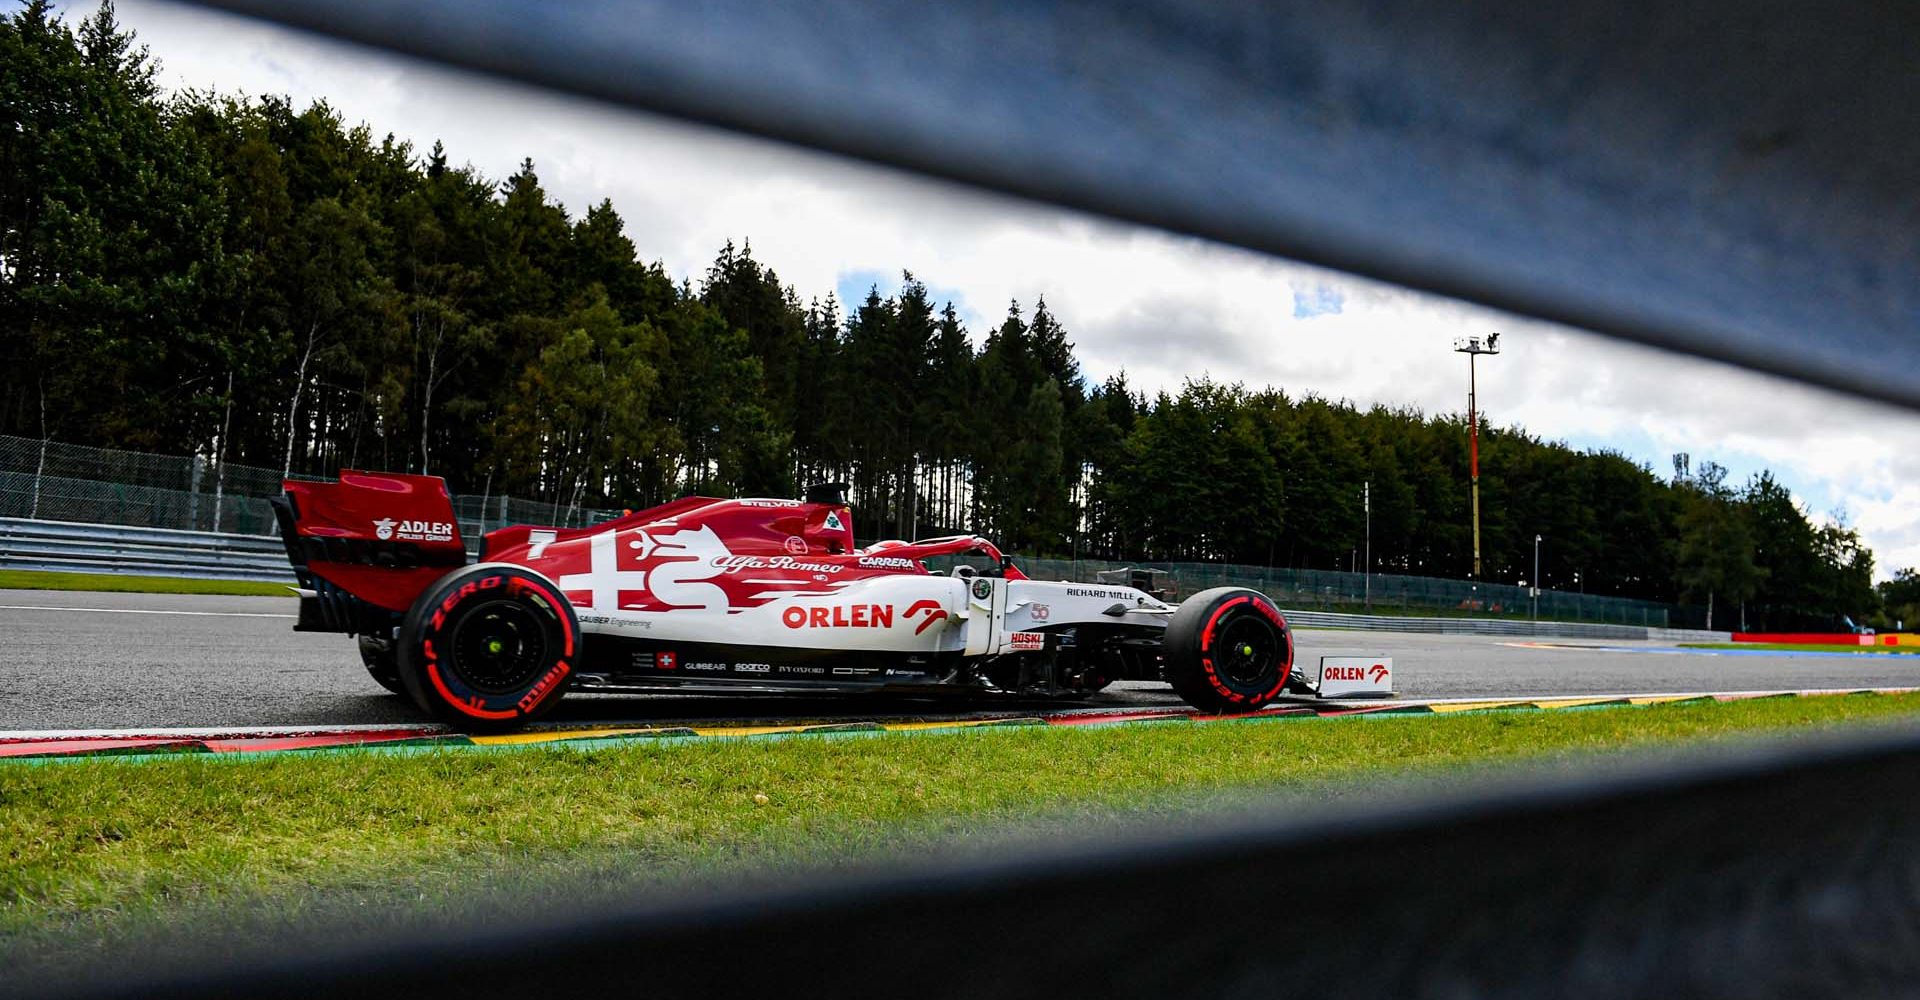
pixel 1356 677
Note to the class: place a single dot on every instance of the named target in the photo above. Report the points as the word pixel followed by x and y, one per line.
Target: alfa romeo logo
pixel 983 589
pixel 383 528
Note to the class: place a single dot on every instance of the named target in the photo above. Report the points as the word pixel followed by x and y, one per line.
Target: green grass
pixel 1802 647
pixel 107 859
pixel 21 579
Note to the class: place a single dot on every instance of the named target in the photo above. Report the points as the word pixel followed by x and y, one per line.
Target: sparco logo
pixel 383 528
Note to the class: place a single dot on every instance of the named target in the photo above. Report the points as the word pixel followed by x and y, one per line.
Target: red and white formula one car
pixel 704 594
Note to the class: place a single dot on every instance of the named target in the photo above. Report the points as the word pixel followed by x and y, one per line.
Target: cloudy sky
pixel 1161 307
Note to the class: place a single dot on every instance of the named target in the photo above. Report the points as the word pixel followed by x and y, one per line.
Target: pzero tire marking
pixel 490 646
pixel 471 706
pixel 1227 649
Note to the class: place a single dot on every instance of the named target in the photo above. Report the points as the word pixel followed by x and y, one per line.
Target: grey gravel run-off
pixel 237 662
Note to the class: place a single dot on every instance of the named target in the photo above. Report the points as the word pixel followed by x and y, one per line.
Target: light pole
pixel 1366 501
pixel 1536 578
pixel 1473 347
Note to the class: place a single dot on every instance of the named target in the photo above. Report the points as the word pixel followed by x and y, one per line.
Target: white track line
pixel 147 611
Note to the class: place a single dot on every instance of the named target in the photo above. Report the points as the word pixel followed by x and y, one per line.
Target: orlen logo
pixel 840 616
pixel 1377 673
pixel 1374 673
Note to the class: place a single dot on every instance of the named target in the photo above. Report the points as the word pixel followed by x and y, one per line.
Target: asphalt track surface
pixel 72 660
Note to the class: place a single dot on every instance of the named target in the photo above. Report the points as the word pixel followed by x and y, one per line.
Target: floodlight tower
pixel 1473 347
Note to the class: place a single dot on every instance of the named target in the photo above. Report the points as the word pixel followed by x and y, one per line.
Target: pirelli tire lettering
pixel 489 647
pixel 1228 650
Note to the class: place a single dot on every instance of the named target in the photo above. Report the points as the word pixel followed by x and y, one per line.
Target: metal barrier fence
pixel 65 546
pixel 47 480
pixel 96 548
pixel 1461 626
pixel 1385 594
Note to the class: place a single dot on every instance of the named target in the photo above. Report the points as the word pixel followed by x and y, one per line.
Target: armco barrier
pixel 1687 635
pixel 1462 626
pixel 98 548
pixel 102 548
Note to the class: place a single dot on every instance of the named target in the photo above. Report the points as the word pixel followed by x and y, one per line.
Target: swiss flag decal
pixel 665 661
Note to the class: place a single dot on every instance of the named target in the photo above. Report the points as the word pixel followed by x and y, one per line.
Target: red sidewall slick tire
pixel 1228 650
pixel 489 648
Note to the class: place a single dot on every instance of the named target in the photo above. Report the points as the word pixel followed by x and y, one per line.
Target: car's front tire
pixel 489 648
pixel 1228 650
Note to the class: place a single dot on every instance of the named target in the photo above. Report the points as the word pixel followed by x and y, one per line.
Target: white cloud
pixel 1162 307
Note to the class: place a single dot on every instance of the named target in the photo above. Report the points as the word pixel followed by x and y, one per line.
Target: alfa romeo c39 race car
pixel 713 595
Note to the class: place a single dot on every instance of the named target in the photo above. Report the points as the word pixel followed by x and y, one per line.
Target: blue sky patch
pixel 1320 300
pixel 852 286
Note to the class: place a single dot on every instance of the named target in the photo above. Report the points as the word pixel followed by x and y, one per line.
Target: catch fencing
pixel 102 548
pixel 62 546
pixel 52 481
pixel 1385 594
pixel 48 480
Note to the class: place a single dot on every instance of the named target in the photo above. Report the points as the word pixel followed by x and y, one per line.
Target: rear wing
pixel 364 546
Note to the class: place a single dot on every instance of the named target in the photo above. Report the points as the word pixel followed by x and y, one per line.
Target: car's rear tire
pixel 489 648
pixel 1228 650
pixel 383 664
